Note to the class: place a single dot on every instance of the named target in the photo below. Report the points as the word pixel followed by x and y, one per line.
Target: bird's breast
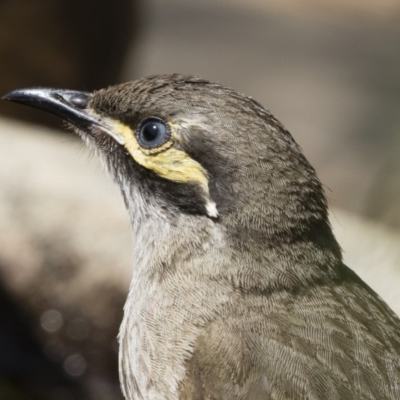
pixel 162 321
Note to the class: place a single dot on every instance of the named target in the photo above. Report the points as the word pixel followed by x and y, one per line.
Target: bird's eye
pixel 152 133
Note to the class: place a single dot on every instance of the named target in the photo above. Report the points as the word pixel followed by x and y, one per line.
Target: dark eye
pixel 153 132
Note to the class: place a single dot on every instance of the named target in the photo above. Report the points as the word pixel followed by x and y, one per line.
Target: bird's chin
pixel 83 132
pixel 94 138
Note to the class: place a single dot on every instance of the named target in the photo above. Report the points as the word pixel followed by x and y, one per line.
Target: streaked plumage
pixel 239 290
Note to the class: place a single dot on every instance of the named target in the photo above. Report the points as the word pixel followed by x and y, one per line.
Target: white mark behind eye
pixel 211 209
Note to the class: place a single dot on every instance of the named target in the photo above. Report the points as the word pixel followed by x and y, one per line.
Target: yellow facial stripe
pixel 166 161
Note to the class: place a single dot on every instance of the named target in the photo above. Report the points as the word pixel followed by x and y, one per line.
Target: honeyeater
pixel 239 290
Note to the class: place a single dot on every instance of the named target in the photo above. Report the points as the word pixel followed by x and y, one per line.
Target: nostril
pixel 77 99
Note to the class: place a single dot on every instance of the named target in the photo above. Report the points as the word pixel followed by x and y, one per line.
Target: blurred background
pixel 330 71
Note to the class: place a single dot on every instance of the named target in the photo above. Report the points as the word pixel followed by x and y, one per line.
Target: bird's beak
pixel 69 105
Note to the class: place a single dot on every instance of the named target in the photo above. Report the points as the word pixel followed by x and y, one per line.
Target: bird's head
pixel 179 145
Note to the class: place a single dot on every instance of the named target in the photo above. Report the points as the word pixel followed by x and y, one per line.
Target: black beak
pixel 69 105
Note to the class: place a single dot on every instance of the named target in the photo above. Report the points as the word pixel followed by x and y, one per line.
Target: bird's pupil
pixel 152 133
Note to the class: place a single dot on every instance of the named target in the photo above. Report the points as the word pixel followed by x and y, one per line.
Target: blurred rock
pixel 372 250
pixel 329 9
pixel 25 370
pixel 64 255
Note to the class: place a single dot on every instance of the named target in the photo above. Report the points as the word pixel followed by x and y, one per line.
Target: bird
pixel 239 289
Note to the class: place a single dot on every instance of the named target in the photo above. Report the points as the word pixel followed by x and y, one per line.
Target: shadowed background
pixel 330 72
